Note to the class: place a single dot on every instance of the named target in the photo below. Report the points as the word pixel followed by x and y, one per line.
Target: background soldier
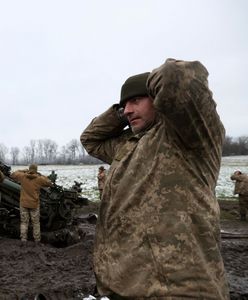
pixel 31 183
pixel 1 176
pixel 101 177
pixel 241 188
pixel 52 176
pixel 1 180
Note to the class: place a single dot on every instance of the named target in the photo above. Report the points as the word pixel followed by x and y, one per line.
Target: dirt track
pixel 66 273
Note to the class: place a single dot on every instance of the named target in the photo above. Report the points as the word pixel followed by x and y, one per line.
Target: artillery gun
pixel 56 205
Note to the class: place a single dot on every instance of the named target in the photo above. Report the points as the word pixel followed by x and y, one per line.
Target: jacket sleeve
pixel 18 175
pixel 104 135
pixel 44 181
pixel 180 92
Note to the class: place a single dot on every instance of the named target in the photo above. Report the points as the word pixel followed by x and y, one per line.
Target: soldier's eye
pixel 136 100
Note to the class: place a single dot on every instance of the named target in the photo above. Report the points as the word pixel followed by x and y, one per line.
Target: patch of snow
pixel 87 174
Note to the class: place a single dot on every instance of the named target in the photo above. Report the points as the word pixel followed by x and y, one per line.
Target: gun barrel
pixel 10 185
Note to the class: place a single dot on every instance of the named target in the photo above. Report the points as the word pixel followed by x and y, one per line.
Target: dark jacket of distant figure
pixel 31 184
pixel 241 184
pixel 158 231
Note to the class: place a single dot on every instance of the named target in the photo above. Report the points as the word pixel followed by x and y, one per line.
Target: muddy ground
pixel 235 250
pixel 66 273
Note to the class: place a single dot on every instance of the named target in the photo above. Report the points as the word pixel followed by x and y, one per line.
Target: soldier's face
pixel 140 113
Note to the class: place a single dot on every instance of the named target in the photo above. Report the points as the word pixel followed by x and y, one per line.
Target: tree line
pixel 46 151
pixel 235 146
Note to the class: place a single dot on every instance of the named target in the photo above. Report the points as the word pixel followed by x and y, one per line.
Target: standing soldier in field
pixel 101 177
pixel 31 182
pixel 1 176
pixel 53 177
pixel 1 180
pixel 241 188
pixel 158 230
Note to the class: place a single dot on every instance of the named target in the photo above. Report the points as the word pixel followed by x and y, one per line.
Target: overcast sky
pixel 62 62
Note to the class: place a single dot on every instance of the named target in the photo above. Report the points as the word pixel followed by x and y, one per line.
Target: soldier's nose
pixel 128 108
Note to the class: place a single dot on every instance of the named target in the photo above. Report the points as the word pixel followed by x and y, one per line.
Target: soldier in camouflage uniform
pixel 1 176
pixel 31 182
pixel 1 180
pixel 101 178
pixel 241 188
pixel 158 230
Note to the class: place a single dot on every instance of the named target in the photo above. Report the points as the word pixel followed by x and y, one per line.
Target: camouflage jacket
pixel 31 184
pixel 241 184
pixel 101 177
pixel 1 176
pixel 158 229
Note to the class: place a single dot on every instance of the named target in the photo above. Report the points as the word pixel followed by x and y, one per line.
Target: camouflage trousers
pixel 243 205
pixel 26 214
pixel 100 193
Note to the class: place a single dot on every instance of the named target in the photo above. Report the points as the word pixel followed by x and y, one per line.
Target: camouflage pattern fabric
pixel 158 229
pixel 25 215
pixel 101 177
pixel 1 176
pixel 241 184
pixel 243 206
pixel 241 188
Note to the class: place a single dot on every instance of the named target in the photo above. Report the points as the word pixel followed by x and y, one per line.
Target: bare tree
pixel 3 151
pixel 81 151
pixel 32 151
pixel 73 149
pixel 228 146
pixel 40 155
pixel 14 152
pixel 243 145
pixel 27 155
pixel 62 156
pixel 235 146
pixel 50 150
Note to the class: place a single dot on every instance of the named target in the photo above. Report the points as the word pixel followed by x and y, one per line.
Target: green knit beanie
pixel 134 86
